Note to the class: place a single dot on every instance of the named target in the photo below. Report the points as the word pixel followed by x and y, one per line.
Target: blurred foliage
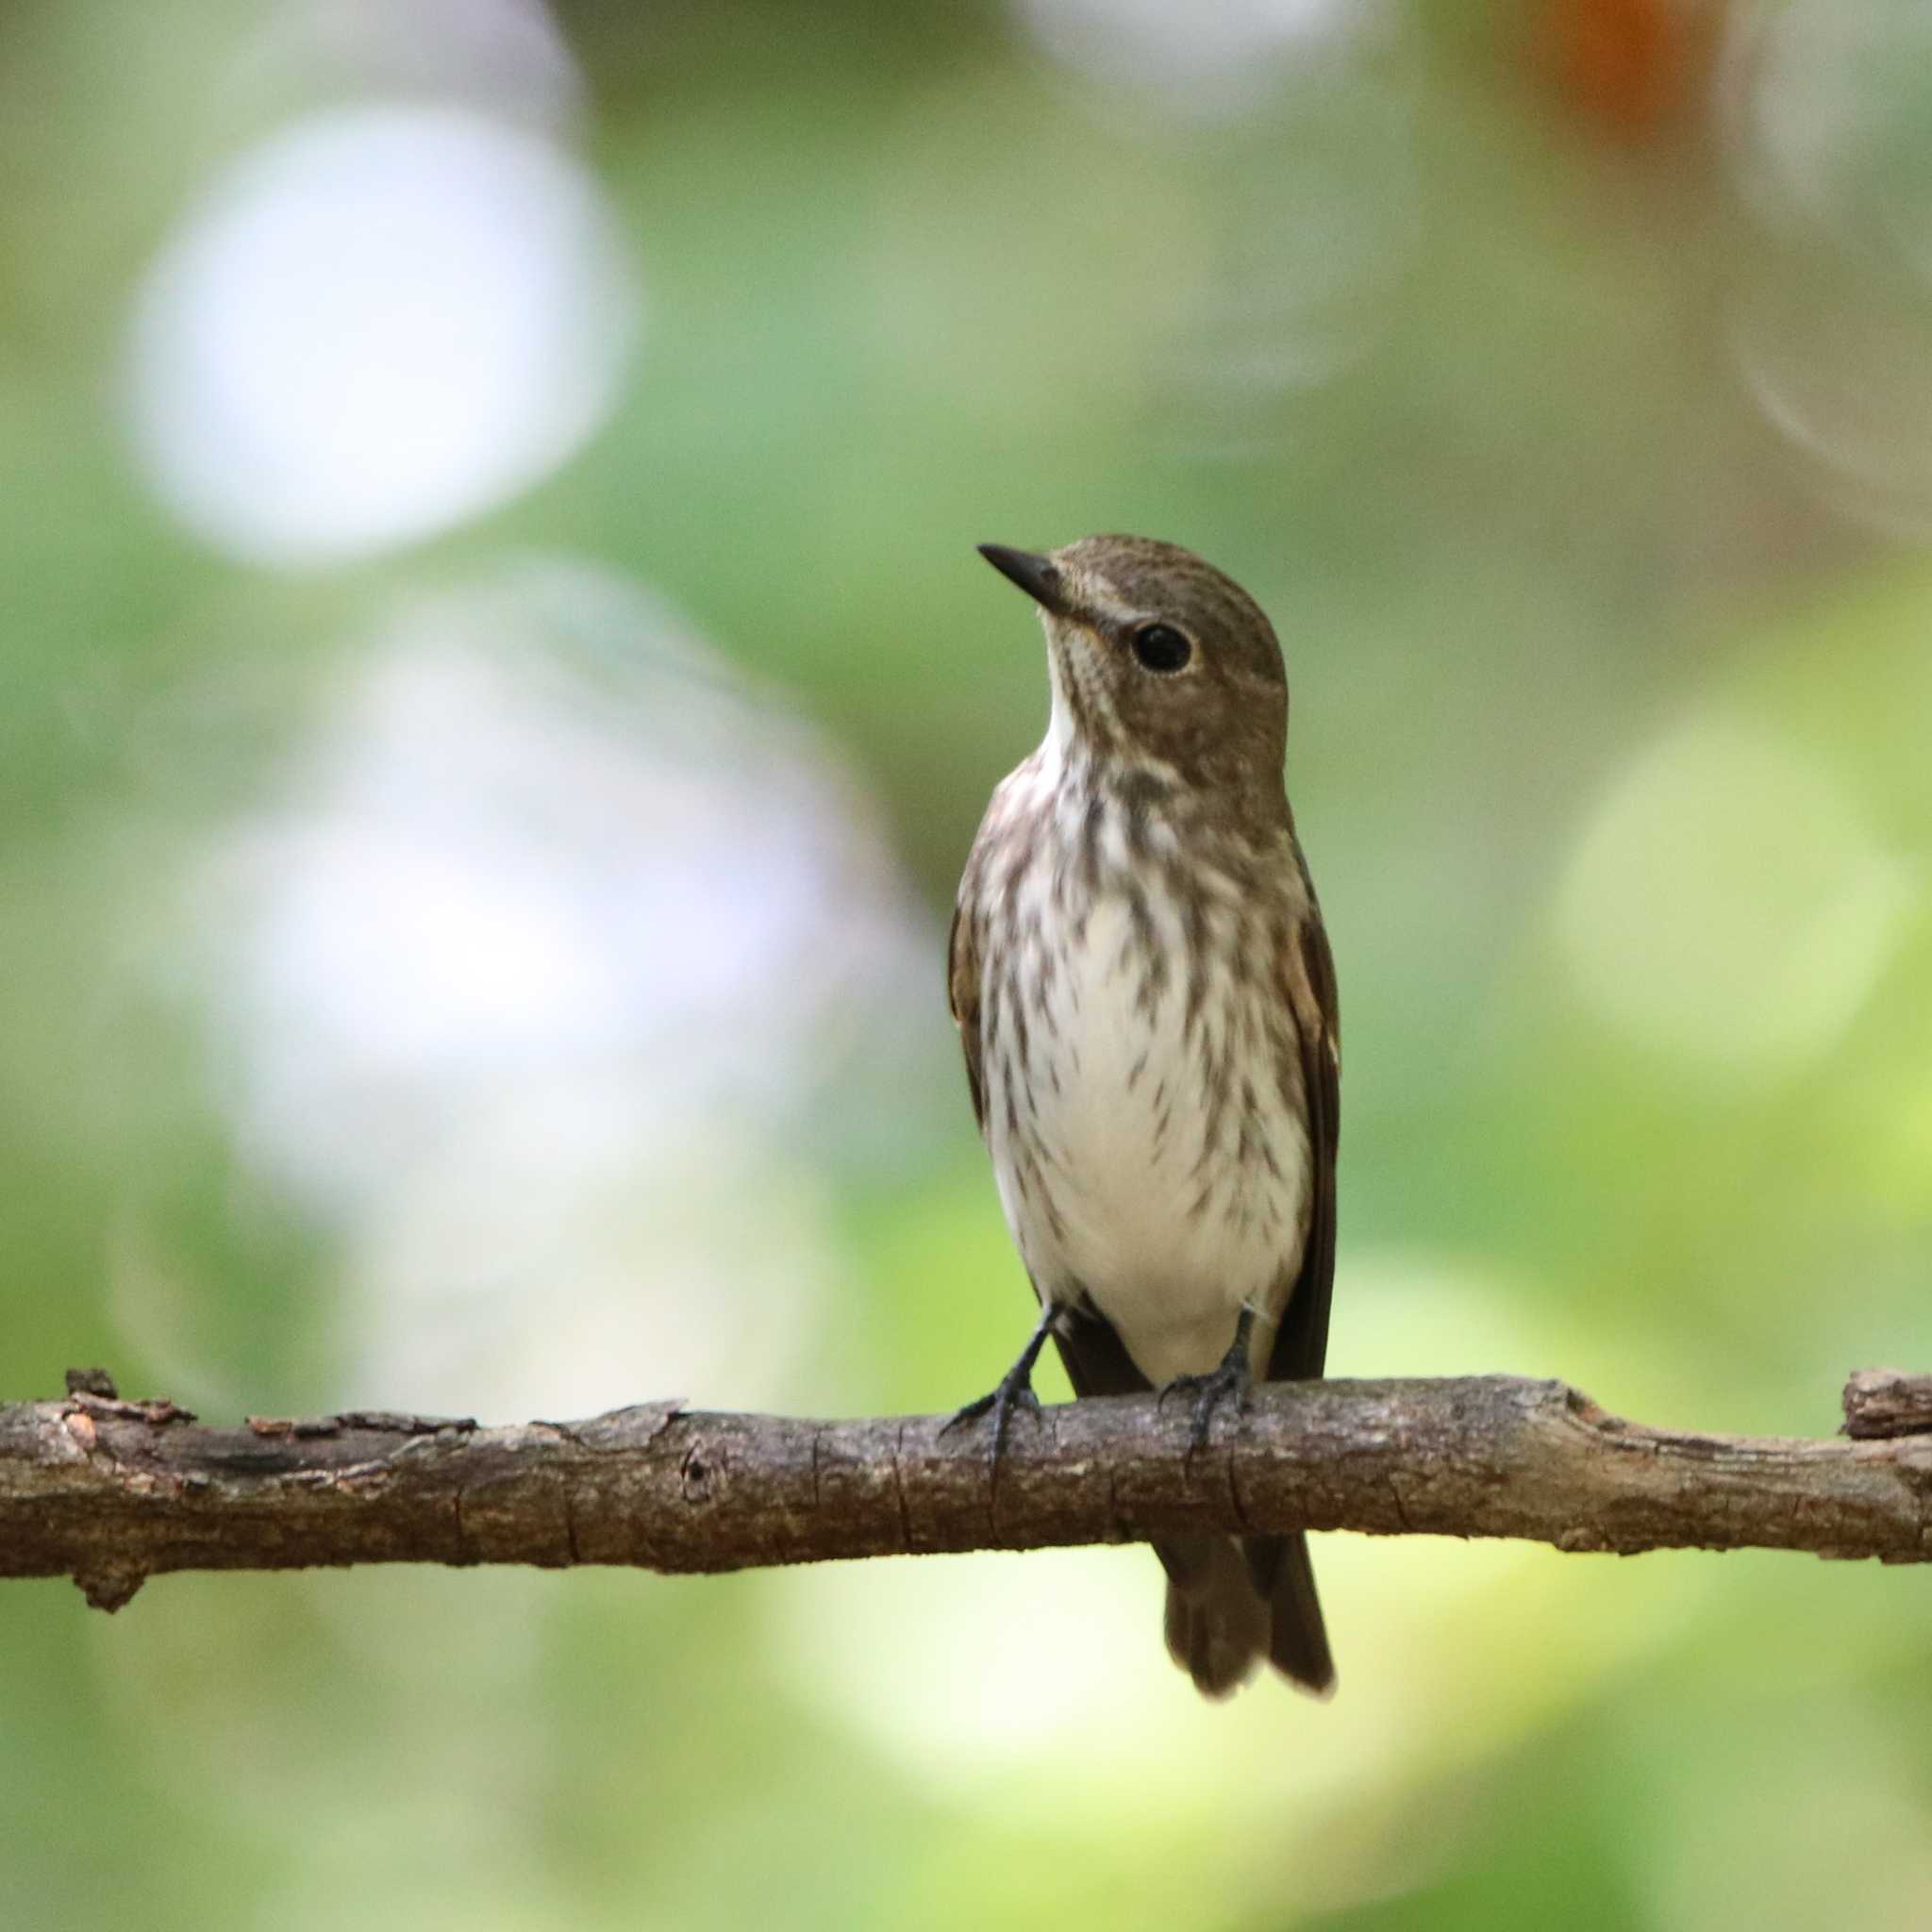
pixel 500 967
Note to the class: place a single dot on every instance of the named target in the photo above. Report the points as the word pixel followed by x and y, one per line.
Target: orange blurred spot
pixel 1627 65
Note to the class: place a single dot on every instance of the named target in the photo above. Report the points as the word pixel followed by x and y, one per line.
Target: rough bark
pixel 1888 1401
pixel 110 1492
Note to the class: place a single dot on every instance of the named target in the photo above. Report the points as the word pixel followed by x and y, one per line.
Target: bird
pixel 1145 998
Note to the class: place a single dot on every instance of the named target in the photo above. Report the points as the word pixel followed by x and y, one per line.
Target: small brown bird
pixel 1146 1000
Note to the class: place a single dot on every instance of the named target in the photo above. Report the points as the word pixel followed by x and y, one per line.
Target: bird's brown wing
pixel 1278 1565
pixel 1301 1343
pixel 963 997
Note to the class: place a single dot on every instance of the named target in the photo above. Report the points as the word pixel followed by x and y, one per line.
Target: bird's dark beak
pixel 1038 576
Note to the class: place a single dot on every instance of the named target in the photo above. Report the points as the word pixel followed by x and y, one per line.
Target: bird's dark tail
pixel 1298 1640
pixel 1230 1605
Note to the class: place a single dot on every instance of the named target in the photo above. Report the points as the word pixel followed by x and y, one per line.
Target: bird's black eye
pixel 1160 647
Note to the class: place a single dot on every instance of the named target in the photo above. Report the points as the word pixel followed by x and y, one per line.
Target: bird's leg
pixel 1232 1377
pixel 1014 1389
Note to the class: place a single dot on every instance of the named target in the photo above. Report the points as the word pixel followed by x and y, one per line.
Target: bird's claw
pixel 1013 1393
pixel 1232 1379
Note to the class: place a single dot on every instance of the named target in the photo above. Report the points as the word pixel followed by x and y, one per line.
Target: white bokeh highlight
pixel 383 321
pixel 1210 60
pixel 531 983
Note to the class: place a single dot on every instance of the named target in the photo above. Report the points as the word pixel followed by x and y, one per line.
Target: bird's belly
pixel 1150 1162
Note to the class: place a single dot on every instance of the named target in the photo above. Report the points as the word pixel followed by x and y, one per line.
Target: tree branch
pixel 110 1492
pixel 1888 1401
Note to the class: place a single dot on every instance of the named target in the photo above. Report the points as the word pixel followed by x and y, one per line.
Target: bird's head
pixel 1157 659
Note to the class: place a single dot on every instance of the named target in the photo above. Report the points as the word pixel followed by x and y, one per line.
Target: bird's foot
pixel 1015 1391
pixel 1231 1380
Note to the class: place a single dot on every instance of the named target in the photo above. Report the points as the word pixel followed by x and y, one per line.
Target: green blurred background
pixel 497 689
